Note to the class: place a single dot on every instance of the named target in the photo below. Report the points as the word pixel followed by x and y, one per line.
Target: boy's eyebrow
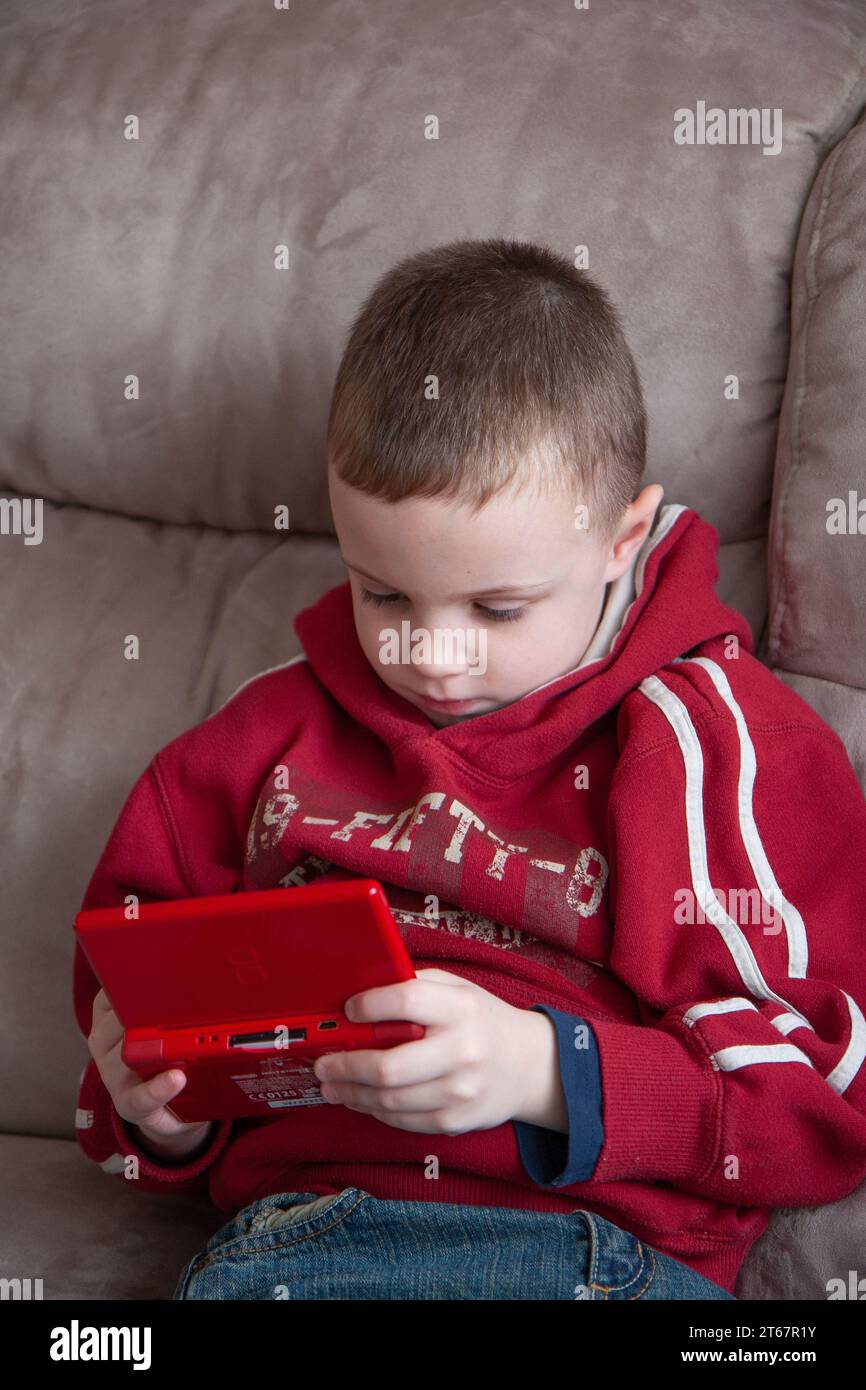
pixel 514 588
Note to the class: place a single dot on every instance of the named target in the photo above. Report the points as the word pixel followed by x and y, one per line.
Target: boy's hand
pixel 477 1066
pixel 141 1103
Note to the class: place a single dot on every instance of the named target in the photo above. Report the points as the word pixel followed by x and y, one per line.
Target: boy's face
pixel 439 567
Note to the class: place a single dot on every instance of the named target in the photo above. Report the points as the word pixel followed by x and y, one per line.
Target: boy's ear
pixel 636 524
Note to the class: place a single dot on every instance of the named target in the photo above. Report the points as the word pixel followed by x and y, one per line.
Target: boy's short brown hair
pixel 536 383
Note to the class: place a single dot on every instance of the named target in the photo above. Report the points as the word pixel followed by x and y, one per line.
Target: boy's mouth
pixel 447 706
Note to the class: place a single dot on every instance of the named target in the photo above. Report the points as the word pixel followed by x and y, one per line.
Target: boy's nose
pixel 437 679
pixel 439 657
pixel 438 682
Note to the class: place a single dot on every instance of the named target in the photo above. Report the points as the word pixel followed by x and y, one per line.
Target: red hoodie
pixel 728 1017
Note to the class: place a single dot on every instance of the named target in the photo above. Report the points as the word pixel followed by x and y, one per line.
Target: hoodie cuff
pixel 164 1170
pixel 661 1106
pixel 552 1159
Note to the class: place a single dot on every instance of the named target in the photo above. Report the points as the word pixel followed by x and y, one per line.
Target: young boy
pixel 628 862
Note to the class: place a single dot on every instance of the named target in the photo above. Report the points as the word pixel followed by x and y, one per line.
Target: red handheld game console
pixel 243 991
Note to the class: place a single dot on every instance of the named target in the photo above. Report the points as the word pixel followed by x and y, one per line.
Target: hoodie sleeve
pixel 144 856
pixel 738 873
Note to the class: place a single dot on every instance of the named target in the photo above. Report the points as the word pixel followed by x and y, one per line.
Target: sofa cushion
pixel 88 1234
pixel 817 559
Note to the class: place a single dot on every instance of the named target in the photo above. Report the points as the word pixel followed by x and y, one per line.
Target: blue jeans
pixel 351 1245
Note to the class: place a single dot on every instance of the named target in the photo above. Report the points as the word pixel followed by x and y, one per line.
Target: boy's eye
pixel 498 615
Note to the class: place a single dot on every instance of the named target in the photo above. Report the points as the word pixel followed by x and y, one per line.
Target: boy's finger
pixel 110 1032
pixel 410 1063
pixel 106 1026
pixel 101 1005
pixel 383 1003
pixel 147 1096
pixel 444 977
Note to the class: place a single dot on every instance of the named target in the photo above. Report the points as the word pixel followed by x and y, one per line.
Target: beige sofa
pixel 147 251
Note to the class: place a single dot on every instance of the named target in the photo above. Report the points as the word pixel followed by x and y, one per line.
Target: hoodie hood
pixel 661 608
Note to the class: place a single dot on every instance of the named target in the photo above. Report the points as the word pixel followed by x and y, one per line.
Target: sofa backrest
pixel 194 208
